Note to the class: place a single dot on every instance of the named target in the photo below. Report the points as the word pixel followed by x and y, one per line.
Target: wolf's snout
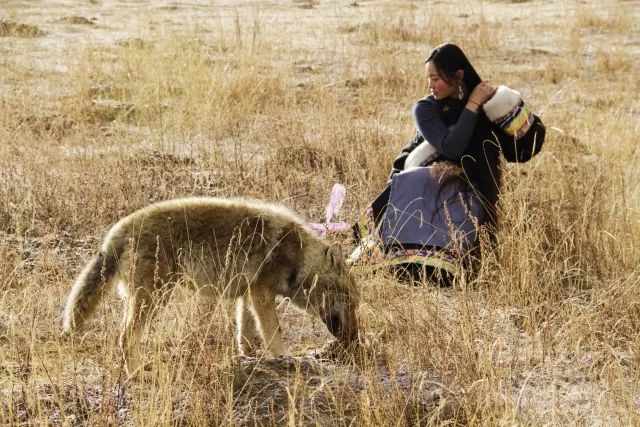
pixel 345 329
pixel 333 324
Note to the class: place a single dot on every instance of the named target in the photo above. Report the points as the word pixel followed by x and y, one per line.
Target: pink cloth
pixel 338 193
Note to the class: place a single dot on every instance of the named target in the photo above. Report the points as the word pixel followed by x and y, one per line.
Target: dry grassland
pixel 106 106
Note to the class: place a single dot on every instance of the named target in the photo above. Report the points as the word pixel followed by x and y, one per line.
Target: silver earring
pixel 460 93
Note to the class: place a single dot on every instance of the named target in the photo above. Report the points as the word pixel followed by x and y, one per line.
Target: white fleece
pixel 501 103
pixel 421 153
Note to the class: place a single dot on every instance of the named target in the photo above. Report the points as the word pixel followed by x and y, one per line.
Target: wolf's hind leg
pixel 246 324
pixel 263 301
pixel 142 301
pixel 136 314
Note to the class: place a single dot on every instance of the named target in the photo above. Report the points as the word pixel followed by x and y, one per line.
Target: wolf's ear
pixel 334 256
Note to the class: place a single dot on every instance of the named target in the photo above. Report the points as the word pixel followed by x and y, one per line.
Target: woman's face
pixel 439 88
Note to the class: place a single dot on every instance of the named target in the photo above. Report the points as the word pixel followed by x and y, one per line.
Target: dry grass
pixel 13 29
pixel 279 103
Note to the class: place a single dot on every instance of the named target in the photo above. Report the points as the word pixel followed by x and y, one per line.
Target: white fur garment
pixel 421 153
pixel 501 103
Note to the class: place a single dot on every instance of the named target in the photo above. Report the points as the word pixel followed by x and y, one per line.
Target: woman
pixel 444 185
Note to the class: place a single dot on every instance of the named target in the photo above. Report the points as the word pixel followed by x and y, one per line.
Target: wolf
pixel 241 249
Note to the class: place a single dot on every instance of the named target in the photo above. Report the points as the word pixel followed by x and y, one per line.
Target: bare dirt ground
pixel 106 106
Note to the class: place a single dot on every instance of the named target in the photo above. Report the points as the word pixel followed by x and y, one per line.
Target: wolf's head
pixel 331 293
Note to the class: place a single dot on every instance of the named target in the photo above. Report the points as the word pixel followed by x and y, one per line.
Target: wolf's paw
pixel 338 352
pixel 72 335
pixel 142 373
pixel 247 351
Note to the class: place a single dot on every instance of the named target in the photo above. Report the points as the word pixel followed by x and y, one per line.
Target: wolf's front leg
pixel 264 306
pixel 246 324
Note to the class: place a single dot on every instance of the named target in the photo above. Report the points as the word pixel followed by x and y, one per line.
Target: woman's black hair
pixel 449 58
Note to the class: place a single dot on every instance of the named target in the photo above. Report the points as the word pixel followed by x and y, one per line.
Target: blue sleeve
pixel 453 142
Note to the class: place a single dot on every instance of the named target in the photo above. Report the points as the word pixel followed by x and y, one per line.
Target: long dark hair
pixel 481 160
pixel 448 59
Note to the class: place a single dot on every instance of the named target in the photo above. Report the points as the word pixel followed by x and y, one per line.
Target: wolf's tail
pixel 88 289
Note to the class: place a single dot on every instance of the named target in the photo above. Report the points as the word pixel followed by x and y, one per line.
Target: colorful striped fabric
pixel 369 259
pixel 518 121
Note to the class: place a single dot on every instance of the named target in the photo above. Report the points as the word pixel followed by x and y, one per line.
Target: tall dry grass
pixel 280 104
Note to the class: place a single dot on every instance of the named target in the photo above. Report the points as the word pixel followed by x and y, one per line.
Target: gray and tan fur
pixel 237 248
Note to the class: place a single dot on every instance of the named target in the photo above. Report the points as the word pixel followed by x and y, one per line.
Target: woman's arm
pixel 451 142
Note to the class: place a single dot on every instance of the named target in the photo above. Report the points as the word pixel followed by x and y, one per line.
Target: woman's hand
pixel 482 93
